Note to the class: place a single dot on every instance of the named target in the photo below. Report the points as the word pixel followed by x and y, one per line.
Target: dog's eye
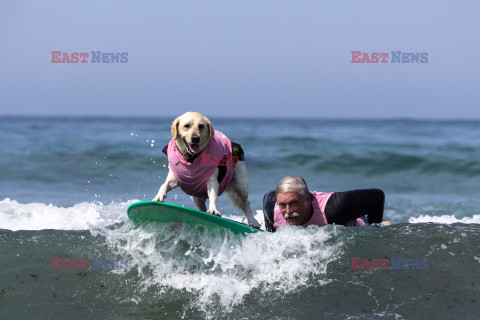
pixel 200 126
pixel 186 126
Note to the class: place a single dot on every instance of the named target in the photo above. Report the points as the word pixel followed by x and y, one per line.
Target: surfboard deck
pixel 152 211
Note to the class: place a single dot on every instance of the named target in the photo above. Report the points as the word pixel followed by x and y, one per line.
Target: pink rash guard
pixel 318 218
pixel 193 177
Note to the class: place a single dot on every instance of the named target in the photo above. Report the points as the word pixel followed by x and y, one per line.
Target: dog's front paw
pixel 160 197
pixel 254 224
pixel 215 212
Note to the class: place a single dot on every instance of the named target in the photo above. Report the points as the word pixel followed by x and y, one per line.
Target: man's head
pixel 294 200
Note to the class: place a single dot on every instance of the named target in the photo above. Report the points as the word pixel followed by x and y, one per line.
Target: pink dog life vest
pixel 318 218
pixel 193 177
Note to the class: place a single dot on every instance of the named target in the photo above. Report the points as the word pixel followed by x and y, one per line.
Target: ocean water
pixel 66 184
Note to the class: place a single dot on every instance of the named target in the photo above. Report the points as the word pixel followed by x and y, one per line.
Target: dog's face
pixel 191 132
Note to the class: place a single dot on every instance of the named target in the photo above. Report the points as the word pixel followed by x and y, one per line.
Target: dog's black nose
pixel 195 139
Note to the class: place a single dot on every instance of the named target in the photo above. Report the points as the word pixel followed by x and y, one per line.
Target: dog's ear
pixel 211 132
pixel 175 128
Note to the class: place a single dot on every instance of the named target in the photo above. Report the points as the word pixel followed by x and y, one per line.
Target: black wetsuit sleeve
pixel 268 207
pixel 343 207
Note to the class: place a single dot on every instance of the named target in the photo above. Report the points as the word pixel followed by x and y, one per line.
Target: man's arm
pixel 343 207
pixel 268 207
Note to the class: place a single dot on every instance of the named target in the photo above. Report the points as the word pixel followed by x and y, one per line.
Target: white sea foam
pixel 446 219
pixel 38 216
pixel 224 267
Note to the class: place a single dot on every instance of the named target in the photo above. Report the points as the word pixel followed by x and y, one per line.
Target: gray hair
pixel 292 184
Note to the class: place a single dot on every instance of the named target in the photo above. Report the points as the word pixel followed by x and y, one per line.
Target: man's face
pixel 295 209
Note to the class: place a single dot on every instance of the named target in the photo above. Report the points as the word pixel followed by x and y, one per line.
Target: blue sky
pixel 241 58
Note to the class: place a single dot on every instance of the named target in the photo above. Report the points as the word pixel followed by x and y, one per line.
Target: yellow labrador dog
pixel 201 162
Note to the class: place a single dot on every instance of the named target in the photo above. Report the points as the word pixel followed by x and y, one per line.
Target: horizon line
pixel 337 118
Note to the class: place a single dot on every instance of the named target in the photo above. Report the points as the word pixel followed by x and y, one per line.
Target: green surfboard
pixel 152 211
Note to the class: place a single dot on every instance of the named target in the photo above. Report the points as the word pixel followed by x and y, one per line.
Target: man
pixel 293 204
